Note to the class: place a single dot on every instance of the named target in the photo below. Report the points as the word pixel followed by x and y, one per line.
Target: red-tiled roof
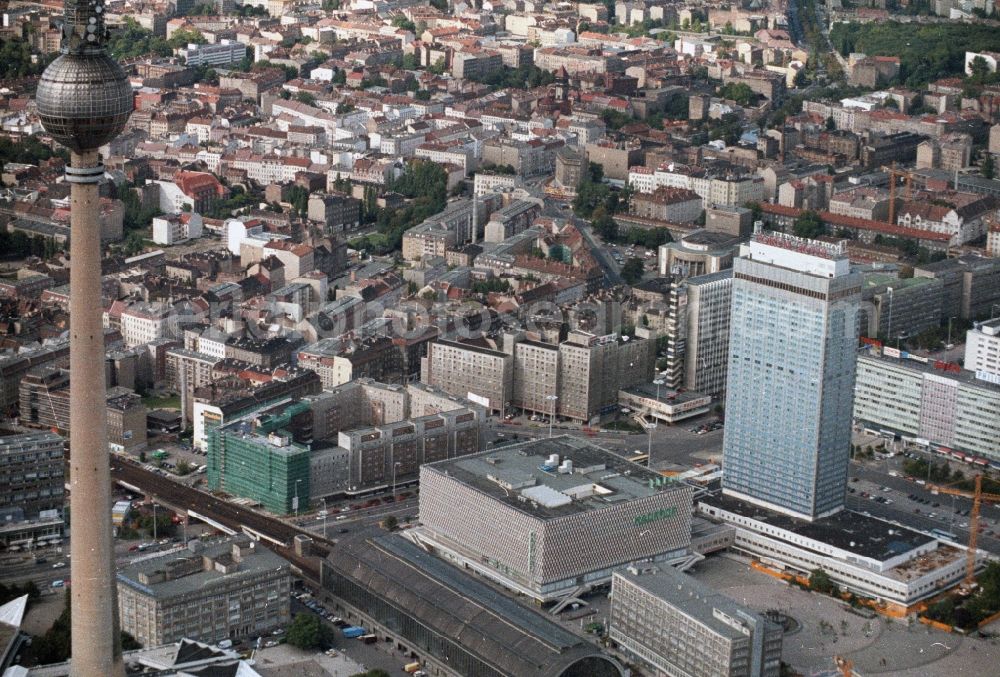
pixel 860 224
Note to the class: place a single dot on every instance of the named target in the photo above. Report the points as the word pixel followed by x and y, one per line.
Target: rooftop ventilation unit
pixel 546 496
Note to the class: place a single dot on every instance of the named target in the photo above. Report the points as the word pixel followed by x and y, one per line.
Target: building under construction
pixel 256 458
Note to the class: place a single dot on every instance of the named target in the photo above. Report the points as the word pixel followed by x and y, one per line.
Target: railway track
pixel 278 535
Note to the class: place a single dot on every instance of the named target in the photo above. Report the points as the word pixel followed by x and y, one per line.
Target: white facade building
pixel 982 349
pixel 225 53
pixel 143 323
pixel 176 228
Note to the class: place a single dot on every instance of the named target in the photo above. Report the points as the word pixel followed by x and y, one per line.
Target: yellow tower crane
pixel 977 497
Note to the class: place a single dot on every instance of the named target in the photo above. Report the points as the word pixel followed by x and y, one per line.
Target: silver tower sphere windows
pixel 84 100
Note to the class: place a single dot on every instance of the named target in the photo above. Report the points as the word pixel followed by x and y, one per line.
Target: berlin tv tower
pixel 84 101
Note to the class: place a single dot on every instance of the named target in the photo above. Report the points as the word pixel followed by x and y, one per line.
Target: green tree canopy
pixel 132 40
pixel 740 93
pixel 632 270
pixel 16 59
pixel 308 632
pixel 808 224
pixel 185 37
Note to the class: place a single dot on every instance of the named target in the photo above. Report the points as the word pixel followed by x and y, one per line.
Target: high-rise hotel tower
pixel 790 383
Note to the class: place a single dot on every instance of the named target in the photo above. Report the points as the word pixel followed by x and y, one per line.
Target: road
pixel 554 209
pixel 903 510
pixel 336 524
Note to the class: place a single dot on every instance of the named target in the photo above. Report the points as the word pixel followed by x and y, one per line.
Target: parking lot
pixel 382 655
pixel 880 487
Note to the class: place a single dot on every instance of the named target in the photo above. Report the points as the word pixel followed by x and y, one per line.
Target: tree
pixel 820 581
pixel 400 21
pixel 988 168
pixel 808 224
pixel 390 523
pixel 438 68
pixel 56 644
pixel 134 244
pixel 632 270
pixel 308 632
pixel 306 98
pixel 375 672
pixel 185 37
pixel 604 225
pixel 978 68
pixel 740 93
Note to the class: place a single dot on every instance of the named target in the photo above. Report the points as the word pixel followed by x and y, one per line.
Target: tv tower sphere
pixel 84 97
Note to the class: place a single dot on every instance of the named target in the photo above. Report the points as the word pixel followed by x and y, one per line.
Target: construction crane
pixel 977 497
pixel 895 174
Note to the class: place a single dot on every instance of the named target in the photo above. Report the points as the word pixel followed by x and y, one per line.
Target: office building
pixel 900 307
pixel 536 371
pixel 456 624
pixel 551 518
pixel 356 438
pixel 231 588
pixel 982 349
pixel 142 323
pixel 31 474
pixel 971 284
pixel 126 421
pixel 224 53
pixel 679 627
pixel 14 367
pixel 706 347
pixel 224 400
pixel 934 401
pixel 256 457
pixel 382 456
pixel 593 369
pixel 188 370
pixel 482 375
pixel 45 403
pixel 790 384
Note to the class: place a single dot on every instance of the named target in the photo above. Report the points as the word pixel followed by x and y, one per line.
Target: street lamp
pixel 650 426
pixel 888 330
pixel 949 329
pixel 552 416
pixel 394 466
pixel 326 516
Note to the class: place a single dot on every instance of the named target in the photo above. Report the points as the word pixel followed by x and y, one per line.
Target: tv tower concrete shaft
pixel 95 635
pixel 84 100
